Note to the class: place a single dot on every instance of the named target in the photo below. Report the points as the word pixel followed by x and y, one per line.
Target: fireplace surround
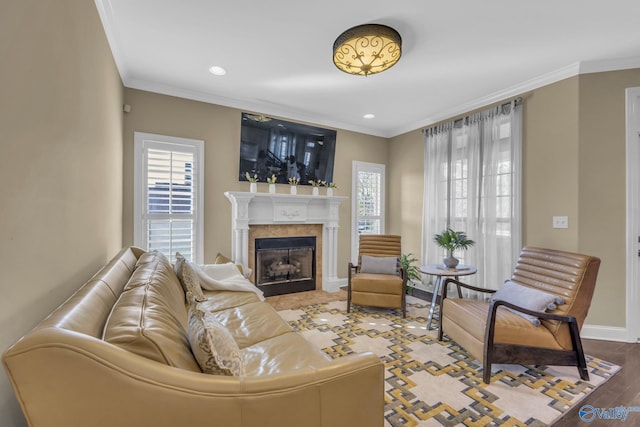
pixel 254 209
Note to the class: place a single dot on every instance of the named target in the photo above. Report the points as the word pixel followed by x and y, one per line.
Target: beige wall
pixel 602 194
pixel 573 165
pixel 406 186
pixel 61 163
pixel 219 127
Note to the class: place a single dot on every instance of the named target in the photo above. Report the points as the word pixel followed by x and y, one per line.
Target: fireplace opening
pixel 285 265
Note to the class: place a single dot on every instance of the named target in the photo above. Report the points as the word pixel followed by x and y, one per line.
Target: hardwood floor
pixel 621 390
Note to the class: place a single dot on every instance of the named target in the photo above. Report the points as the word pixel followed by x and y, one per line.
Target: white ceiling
pixel 457 54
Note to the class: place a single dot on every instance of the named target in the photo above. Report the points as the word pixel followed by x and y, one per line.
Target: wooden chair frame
pixel 525 355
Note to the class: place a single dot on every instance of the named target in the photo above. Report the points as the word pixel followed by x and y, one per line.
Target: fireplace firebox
pixel 285 264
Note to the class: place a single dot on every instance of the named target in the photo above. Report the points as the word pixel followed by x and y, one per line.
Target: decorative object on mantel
pixel 450 241
pixel 367 49
pixel 330 186
pixel 315 185
pixel 272 184
pixel 253 186
pixel 293 185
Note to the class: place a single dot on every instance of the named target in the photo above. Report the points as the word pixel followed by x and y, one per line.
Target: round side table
pixel 439 271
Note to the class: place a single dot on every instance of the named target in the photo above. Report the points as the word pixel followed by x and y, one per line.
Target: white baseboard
pixel 333 285
pixel 605 333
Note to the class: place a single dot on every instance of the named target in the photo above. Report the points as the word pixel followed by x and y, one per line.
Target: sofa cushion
pixel 251 323
pixel 376 283
pixel 284 353
pixel 212 345
pixel 188 277
pixel 153 257
pixel 471 316
pixel 150 318
pixel 222 300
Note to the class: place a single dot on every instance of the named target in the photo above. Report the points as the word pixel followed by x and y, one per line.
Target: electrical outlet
pixel 560 222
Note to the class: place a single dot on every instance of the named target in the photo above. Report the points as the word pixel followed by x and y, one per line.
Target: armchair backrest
pixel 568 275
pixel 382 245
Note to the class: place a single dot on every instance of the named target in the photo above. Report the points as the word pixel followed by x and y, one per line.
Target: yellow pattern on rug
pixel 428 382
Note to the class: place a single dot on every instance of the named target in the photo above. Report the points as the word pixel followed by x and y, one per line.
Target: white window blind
pixel 168 195
pixel 368 201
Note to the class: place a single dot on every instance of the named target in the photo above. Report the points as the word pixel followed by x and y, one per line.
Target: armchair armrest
pixel 489 344
pixel 464 285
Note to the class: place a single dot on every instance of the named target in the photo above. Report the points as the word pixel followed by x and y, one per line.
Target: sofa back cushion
pixel 150 319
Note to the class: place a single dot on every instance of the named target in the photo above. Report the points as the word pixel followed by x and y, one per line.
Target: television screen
pixel 271 146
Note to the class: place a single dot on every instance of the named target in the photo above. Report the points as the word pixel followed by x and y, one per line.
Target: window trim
pixel 143 141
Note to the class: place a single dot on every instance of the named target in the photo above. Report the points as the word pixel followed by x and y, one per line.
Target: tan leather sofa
pixel 90 364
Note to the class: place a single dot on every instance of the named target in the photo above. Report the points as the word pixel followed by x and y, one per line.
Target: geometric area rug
pixel 433 383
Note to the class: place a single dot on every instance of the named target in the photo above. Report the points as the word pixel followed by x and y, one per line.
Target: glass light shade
pixel 367 49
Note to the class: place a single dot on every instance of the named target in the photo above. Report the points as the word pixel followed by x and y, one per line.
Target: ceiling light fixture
pixel 367 49
pixel 369 116
pixel 218 71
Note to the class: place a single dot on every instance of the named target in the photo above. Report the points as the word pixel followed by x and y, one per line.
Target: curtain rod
pixel 516 101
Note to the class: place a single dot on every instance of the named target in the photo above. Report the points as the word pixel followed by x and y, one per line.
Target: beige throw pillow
pixel 188 277
pixel 212 345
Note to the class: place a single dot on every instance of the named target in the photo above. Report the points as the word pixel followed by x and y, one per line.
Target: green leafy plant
pixel 408 261
pixel 250 178
pixel 271 180
pixel 294 181
pixel 451 240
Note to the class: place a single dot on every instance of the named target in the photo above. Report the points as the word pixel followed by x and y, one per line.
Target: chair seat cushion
pixel 471 316
pixel 376 283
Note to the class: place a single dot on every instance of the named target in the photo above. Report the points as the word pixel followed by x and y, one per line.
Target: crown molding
pixel 618 64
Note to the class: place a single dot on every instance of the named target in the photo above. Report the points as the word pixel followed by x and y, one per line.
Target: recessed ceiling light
pixel 369 116
pixel 218 71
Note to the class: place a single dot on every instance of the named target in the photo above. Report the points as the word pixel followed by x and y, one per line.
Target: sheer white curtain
pixel 473 184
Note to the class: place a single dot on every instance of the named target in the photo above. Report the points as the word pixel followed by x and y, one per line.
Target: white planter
pixel 272 188
pixel 314 191
pixel 329 191
pixel 253 187
pixel 293 189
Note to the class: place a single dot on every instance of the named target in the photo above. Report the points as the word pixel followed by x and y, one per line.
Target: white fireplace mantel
pixel 269 208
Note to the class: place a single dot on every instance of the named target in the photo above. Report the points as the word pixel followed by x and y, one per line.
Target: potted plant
pixel 253 186
pixel 450 241
pixel 272 183
pixel 330 186
pixel 315 185
pixel 293 182
pixel 413 273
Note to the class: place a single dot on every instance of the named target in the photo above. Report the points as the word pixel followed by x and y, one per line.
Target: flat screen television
pixel 270 146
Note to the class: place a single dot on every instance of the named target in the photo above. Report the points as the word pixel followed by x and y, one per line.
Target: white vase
pixel 293 189
pixel 253 187
pixel 314 191
pixel 272 188
pixel 329 191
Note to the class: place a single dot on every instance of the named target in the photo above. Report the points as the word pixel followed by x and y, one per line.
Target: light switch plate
pixel 560 222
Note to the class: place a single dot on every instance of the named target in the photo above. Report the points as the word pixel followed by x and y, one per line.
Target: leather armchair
pixel 373 288
pixel 496 335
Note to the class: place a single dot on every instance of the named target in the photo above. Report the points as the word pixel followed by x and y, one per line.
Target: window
pixel 168 195
pixel 368 202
